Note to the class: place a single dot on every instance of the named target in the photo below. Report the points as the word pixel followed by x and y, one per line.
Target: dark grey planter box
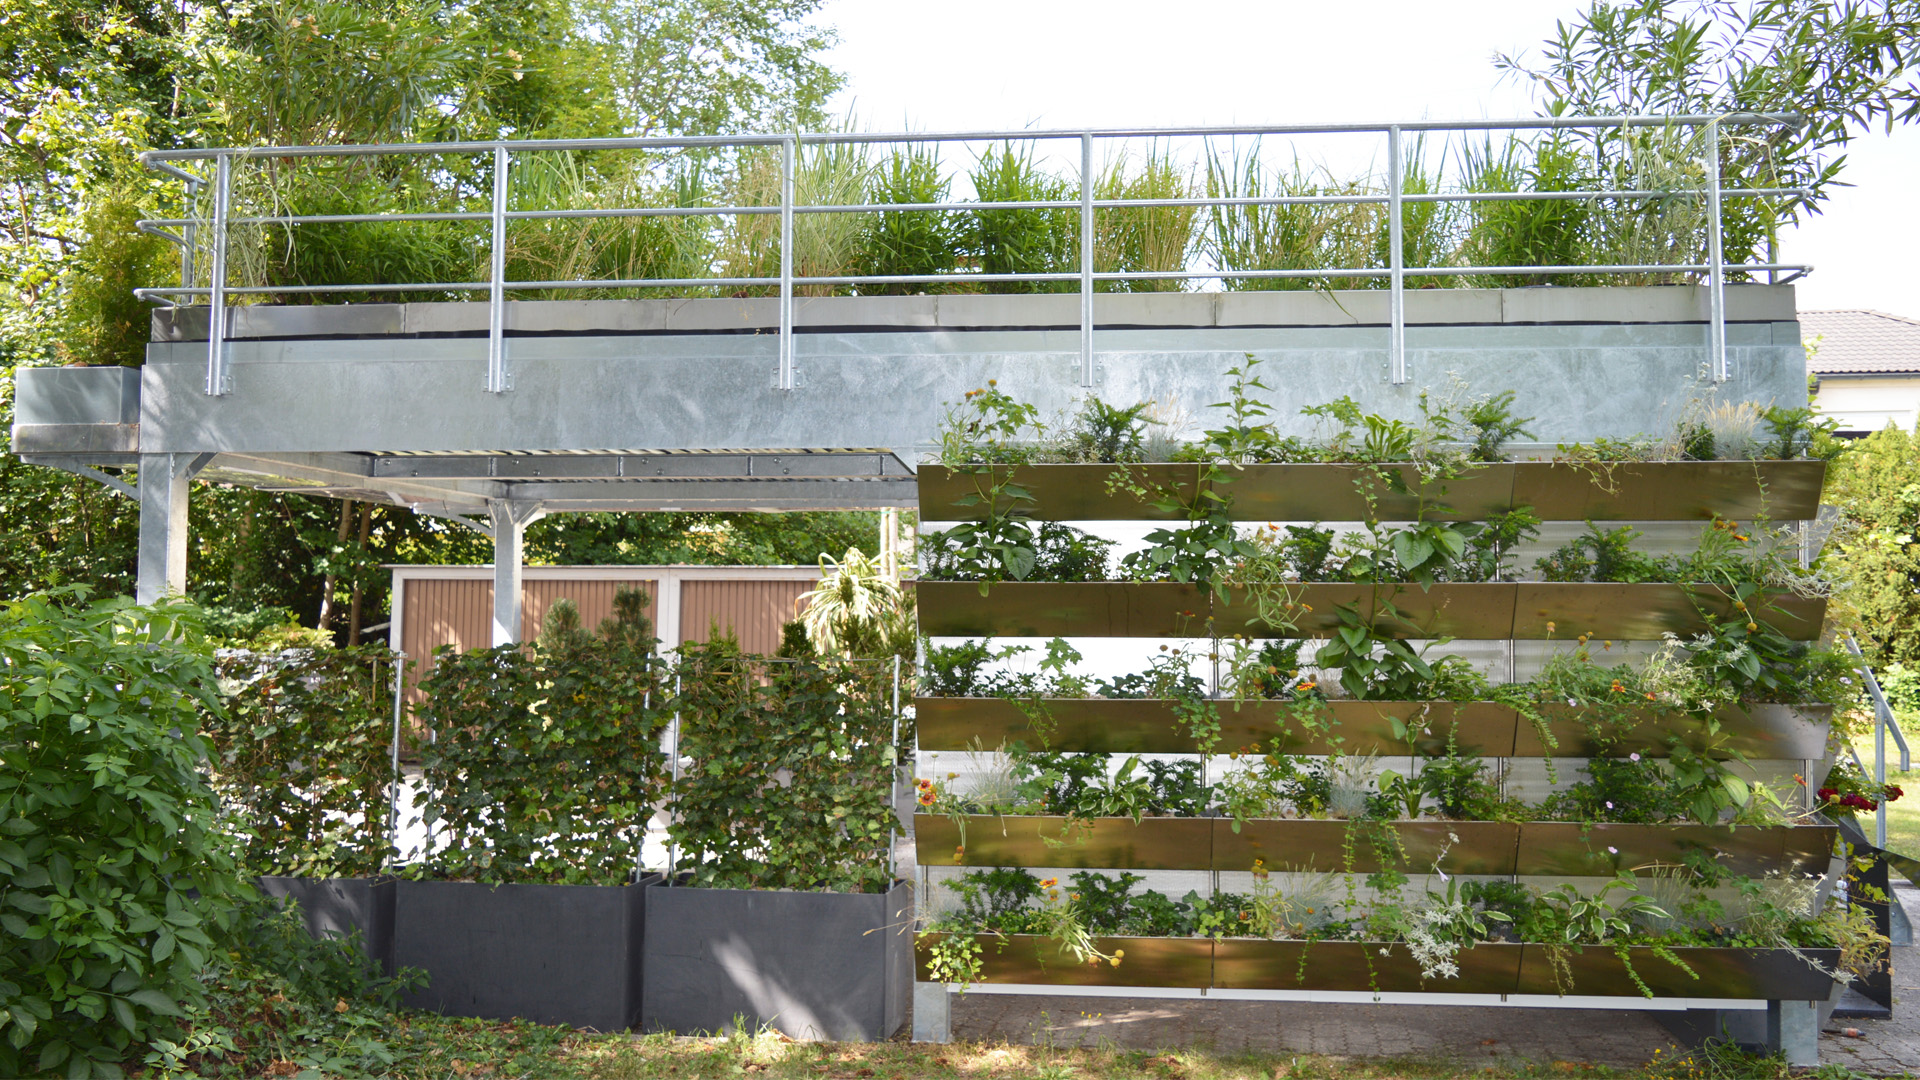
pixel 338 907
pixel 553 954
pixel 813 965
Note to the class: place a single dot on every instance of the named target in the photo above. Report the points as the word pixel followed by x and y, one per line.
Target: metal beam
pixel 646 466
pixel 596 495
pixel 355 472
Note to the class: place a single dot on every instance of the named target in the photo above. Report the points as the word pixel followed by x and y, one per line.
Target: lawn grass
pixel 773 1056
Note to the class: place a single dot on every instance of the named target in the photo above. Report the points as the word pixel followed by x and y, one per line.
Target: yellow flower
pixel 1050 883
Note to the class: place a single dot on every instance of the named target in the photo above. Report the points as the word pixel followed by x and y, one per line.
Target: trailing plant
pixel 791 780
pixel 976 437
pixel 302 757
pixel 1201 550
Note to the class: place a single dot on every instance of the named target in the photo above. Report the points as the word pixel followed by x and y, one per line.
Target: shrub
pixel 115 879
pixel 791 785
pixel 1024 241
pixel 546 763
pixel 302 754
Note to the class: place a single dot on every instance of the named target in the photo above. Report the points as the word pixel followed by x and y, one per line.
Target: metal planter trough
pixel 1489 610
pixel 1358 967
pixel 553 954
pixel 1670 490
pixel 1458 847
pixel 342 907
pixel 1087 844
pixel 1778 732
pixel 1565 848
pixel 814 965
pixel 1033 959
pixel 1599 971
pixel 1150 725
pixel 1556 491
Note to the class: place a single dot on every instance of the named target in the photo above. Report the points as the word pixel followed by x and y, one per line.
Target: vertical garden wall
pixel 1380 755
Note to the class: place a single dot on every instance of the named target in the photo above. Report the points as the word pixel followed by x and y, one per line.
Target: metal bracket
pixel 111 481
pixel 797 378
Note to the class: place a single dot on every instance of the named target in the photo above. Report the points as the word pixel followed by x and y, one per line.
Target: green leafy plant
pixel 545 765
pixel 117 883
pixel 302 756
pixel 791 780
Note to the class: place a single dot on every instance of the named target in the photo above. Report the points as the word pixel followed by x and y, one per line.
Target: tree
pixel 1874 552
pixel 711 67
pixel 1845 65
pixel 91 83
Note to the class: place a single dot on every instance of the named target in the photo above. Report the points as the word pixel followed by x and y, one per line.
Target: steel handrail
pixel 1883 722
pixel 499 379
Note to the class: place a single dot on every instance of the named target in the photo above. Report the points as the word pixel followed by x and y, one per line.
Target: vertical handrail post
pixel 1396 266
pixel 498 380
pixel 1880 776
pixel 218 382
pixel 785 378
pixel 893 788
pixel 189 235
pixel 1716 263
pixel 393 795
pixel 673 811
pixel 1086 259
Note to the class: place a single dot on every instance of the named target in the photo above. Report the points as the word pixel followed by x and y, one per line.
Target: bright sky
pixel 1000 64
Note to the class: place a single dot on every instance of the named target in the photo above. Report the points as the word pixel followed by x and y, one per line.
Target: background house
pixel 1864 368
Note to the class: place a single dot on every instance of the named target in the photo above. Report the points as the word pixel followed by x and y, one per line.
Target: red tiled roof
pixel 1860 342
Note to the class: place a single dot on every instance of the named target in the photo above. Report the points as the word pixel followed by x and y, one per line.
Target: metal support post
pixel 499 380
pixel 510 521
pixel 1086 260
pixel 218 381
pixel 784 378
pixel 1793 1030
pixel 1396 266
pixel 932 1016
pixel 162 560
pixel 1716 263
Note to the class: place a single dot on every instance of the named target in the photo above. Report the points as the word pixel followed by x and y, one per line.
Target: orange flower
pixel 928 798
pixel 1050 883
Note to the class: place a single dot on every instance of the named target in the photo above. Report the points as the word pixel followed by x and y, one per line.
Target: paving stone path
pixel 1458 1033
pixel 1888 1047
pixel 1619 1038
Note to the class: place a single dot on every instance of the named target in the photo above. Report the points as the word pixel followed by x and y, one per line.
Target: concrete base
pixel 343 907
pixel 1787 1027
pixel 813 965
pixel 932 1013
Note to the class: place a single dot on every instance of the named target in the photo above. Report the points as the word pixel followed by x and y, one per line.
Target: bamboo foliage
pixel 1330 233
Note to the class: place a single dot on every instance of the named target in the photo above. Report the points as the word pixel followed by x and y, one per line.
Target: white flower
pixel 1611 850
